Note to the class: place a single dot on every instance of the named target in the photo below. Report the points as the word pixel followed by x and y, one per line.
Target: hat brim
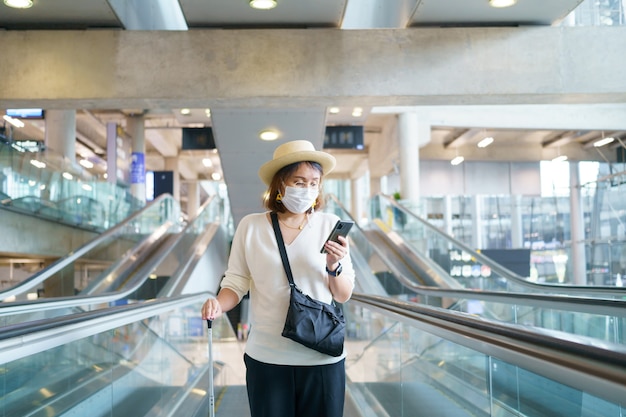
pixel 269 169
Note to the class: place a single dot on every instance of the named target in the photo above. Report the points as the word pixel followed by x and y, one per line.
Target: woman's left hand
pixel 335 252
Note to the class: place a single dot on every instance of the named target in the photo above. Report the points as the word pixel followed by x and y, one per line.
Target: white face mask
pixel 299 200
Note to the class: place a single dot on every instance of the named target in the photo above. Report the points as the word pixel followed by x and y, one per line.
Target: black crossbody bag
pixel 310 322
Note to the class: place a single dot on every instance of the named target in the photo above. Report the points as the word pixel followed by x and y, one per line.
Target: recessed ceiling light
pixel 37 164
pixel 485 142
pixel 14 122
pixel 333 110
pixel 357 112
pixel 263 4
pixel 86 163
pixel 185 112
pixel 268 134
pixel 19 4
pixel 502 3
pixel 603 142
pixel 457 160
pixel 207 162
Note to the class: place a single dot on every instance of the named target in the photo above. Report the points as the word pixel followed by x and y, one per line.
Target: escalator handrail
pixel 71 257
pixel 24 339
pixel 505 272
pixel 588 365
pixel 590 305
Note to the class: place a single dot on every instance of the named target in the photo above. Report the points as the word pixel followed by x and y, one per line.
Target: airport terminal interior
pixel 481 154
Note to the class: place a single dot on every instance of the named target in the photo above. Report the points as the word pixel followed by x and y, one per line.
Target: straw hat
pixel 295 151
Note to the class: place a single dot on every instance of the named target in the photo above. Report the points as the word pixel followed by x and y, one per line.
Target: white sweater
pixel 255 265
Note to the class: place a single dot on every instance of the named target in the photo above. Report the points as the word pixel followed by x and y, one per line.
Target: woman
pixel 284 378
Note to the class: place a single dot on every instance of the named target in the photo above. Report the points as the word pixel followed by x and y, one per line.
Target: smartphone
pixel 342 227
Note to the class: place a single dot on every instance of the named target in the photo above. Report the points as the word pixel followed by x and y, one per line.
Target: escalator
pixel 384 379
pixel 417 277
pixel 423 241
pixel 92 261
pixel 54 376
pixel 161 263
pixel 404 359
pixel 417 360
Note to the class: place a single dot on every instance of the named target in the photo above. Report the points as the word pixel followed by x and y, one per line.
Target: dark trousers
pixel 295 391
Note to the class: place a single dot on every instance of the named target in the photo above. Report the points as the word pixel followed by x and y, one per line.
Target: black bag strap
pixel 281 248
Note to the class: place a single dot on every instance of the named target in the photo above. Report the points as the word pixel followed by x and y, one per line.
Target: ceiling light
pixel 502 3
pixel 86 163
pixel 14 122
pixel 268 134
pixel 19 4
pixel 37 163
pixel 185 112
pixel 457 160
pixel 603 142
pixel 207 112
pixel 485 142
pixel 207 162
pixel 357 112
pixel 216 176
pixel 560 158
pixel 263 4
pixel 333 110
pixel 68 176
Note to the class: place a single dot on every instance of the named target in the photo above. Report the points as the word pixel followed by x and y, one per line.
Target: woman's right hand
pixel 211 309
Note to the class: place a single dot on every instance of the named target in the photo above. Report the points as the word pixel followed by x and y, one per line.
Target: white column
pixel 376 186
pixel 578 260
pixel 193 199
pixel 477 223
pixel 356 206
pixel 517 234
pixel 60 136
pixel 136 130
pixel 171 164
pixel 408 135
pixel 447 214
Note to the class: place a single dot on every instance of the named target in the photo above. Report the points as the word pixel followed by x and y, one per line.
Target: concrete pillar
pixel 136 130
pixel 112 152
pixel 356 206
pixel 171 164
pixel 517 232
pixel 408 135
pixel 578 260
pixel 193 199
pixel 447 214
pixel 60 136
pixel 375 189
pixel 379 185
pixel 477 223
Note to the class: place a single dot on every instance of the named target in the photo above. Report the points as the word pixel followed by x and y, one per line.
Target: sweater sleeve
pixel 237 277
